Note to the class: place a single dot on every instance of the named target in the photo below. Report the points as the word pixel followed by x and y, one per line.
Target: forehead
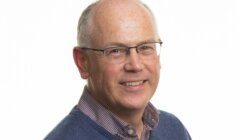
pixel 125 21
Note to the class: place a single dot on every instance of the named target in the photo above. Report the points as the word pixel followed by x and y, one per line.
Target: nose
pixel 133 62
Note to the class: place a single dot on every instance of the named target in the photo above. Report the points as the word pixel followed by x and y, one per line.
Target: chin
pixel 133 99
pixel 135 103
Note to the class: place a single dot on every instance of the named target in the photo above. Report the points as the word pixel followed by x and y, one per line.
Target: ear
pixel 81 62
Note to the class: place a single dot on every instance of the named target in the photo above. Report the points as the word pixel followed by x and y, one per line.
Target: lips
pixel 132 83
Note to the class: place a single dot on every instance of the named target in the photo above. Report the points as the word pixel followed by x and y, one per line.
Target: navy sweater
pixel 78 126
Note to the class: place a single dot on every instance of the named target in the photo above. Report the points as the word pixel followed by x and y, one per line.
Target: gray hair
pixel 83 33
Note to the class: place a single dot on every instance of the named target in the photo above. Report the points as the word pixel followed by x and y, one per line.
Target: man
pixel 118 55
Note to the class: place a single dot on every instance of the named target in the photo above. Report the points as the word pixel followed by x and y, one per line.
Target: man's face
pixel 128 85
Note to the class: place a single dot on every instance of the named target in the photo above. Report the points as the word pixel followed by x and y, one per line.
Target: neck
pixel 134 118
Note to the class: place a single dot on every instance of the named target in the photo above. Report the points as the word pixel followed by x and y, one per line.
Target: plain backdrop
pixel 39 82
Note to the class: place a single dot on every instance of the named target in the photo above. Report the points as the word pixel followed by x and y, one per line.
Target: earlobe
pixel 81 62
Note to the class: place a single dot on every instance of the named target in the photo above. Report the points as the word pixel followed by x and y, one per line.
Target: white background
pixel 39 83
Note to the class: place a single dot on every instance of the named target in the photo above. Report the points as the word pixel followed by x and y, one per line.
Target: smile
pixel 135 83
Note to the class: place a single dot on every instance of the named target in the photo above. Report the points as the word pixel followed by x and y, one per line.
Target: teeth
pixel 133 83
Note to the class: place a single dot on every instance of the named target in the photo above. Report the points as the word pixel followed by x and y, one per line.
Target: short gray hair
pixel 83 33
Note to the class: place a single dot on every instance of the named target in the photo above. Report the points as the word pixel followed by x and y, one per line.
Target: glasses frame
pixel 125 46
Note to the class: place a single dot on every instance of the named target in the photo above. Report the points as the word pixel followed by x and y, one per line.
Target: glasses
pixel 118 53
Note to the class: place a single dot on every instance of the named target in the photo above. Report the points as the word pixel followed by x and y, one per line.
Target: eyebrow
pixel 139 43
pixel 149 41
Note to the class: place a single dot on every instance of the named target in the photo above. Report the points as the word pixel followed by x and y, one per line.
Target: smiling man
pixel 118 54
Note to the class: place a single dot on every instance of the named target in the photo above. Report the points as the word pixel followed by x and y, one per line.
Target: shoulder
pixel 166 118
pixel 170 127
pixel 77 125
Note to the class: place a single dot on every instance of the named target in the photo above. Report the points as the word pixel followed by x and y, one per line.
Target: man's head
pixel 125 85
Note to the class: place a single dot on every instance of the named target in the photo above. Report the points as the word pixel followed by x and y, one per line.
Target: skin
pixel 128 23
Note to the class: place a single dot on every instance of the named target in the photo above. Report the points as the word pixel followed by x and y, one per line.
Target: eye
pixel 116 51
pixel 147 48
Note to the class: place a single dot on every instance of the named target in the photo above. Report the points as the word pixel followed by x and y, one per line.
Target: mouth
pixel 133 83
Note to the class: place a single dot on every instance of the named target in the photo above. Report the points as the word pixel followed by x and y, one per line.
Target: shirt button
pixel 130 132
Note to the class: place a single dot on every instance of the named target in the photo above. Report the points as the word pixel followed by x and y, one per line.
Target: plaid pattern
pixel 112 123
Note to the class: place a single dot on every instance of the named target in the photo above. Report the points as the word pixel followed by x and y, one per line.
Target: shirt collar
pixel 103 117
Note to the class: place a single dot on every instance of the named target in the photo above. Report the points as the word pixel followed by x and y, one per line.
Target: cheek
pixel 105 73
pixel 154 65
pixel 154 69
pixel 110 77
pixel 111 72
